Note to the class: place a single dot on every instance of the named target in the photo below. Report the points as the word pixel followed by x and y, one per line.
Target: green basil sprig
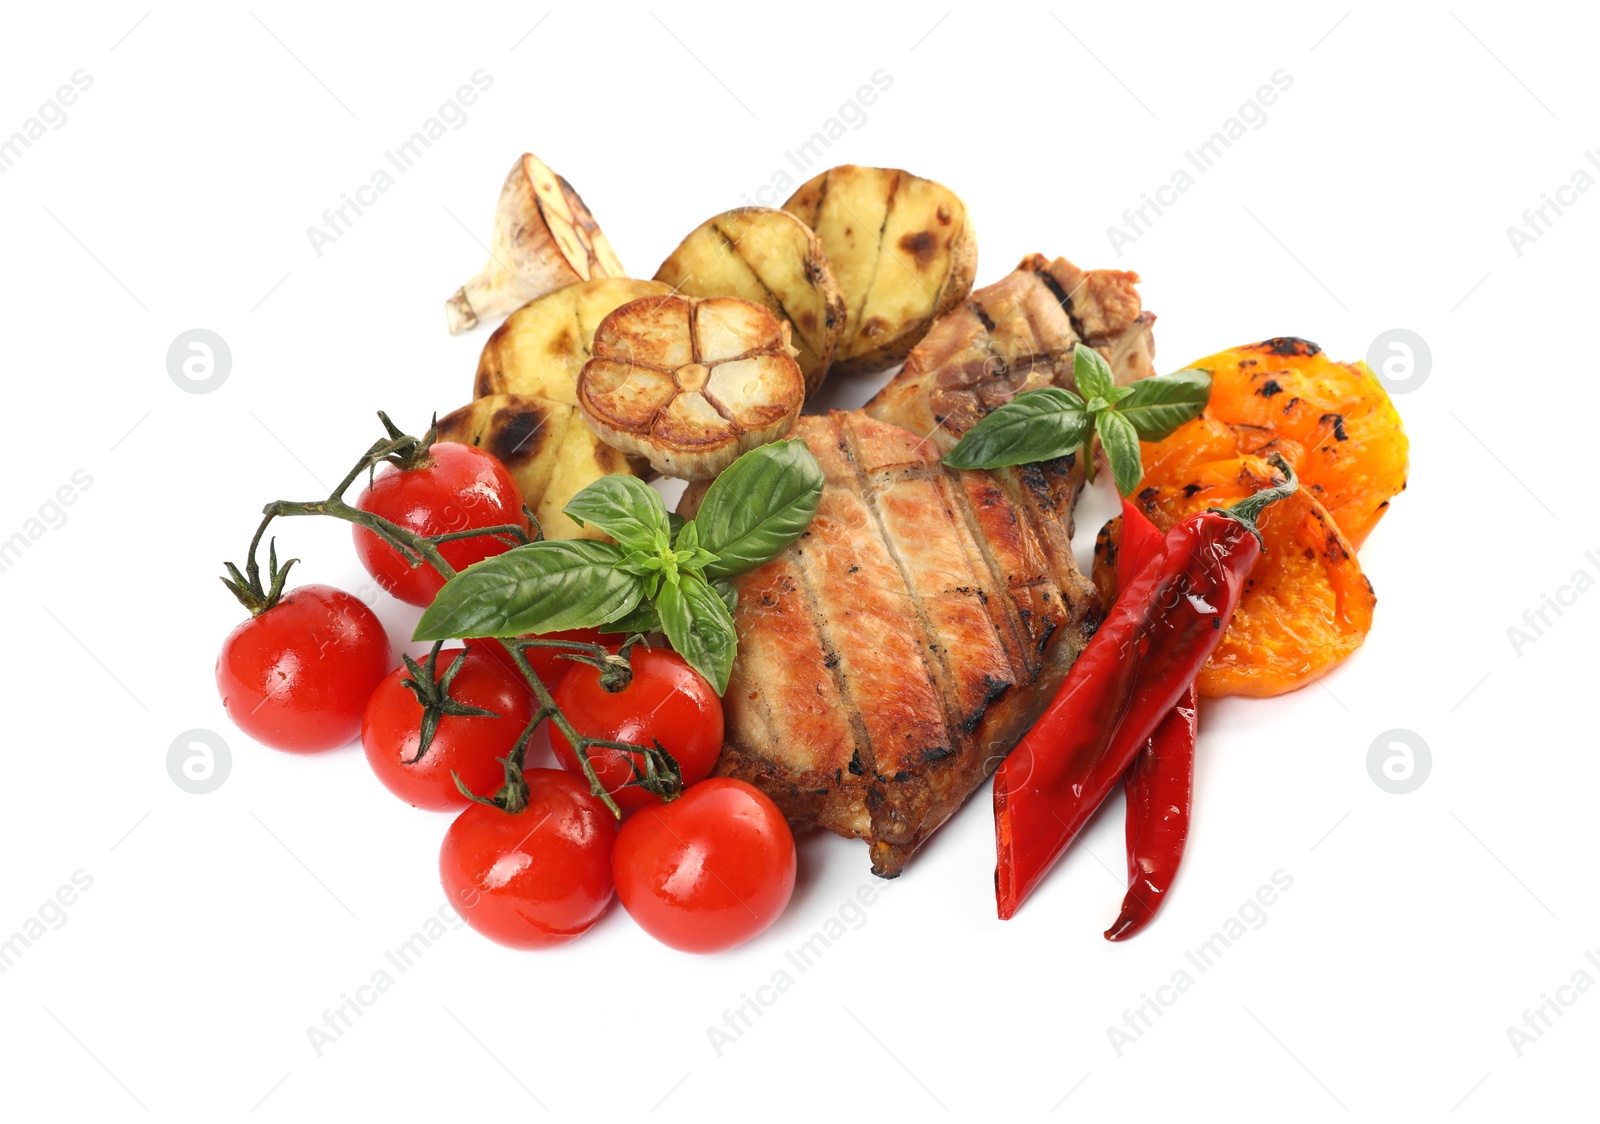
pixel 1040 425
pixel 663 573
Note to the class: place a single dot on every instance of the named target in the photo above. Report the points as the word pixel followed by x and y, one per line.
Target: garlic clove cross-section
pixel 691 384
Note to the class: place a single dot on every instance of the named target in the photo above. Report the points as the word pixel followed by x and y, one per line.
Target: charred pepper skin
pixel 1159 785
pixel 1137 667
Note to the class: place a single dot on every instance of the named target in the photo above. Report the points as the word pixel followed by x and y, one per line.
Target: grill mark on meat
pixel 909 503
pixel 882 657
pixel 1016 550
pixel 780 625
pixel 1048 491
pixel 928 640
pixel 1036 265
pixel 1004 611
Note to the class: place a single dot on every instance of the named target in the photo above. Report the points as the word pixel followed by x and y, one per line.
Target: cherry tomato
pixel 546 662
pixel 460 487
pixel 666 700
pixel 467 746
pixel 538 878
pixel 298 676
pixel 709 870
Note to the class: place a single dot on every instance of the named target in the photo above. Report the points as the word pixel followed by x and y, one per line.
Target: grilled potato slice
pixel 690 384
pixel 902 249
pixel 544 239
pixel 769 257
pixel 543 345
pixel 550 453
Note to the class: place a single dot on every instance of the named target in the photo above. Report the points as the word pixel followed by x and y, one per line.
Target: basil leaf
pixel 687 537
pixel 540 587
pixel 1092 373
pixel 759 505
pixel 1160 404
pixel 1036 425
pixel 725 590
pixel 697 561
pixel 699 627
pixel 624 507
pixel 1121 443
pixel 642 619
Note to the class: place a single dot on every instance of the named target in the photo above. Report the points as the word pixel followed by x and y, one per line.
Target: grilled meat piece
pixel 1017 335
pixel 891 657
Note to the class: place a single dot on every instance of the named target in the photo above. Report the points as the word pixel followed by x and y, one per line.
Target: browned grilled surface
pixel 891 654
pixel 1017 334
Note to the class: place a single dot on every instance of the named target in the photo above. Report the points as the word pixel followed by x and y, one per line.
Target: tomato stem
pixel 660 774
pixel 434 695
pixel 616 671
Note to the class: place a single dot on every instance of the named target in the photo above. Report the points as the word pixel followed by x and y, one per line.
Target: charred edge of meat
pixel 799 806
pixel 1033 478
pixel 1044 638
pixel 993 689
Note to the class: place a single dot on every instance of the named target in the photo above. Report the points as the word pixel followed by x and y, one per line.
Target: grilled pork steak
pixel 1016 335
pixel 891 657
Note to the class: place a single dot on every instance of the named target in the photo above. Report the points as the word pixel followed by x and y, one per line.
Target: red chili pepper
pixel 1138 666
pixel 1160 781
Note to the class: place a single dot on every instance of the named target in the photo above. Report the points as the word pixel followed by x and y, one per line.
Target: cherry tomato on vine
pixel 470 746
pixel 708 870
pixel 538 878
pixel 297 676
pixel 667 700
pixel 456 488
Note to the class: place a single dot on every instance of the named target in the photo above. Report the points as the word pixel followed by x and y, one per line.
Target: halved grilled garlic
pixel 544 239
pixel 690 384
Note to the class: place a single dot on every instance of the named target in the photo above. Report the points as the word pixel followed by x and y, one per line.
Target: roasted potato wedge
pixel 902 249
pixel 1333 421
pixel 1306 605
pixel 543 345
pixel 549 451
pixel 690 384
pixel 771 258
pixel 544 239
pixel 581 459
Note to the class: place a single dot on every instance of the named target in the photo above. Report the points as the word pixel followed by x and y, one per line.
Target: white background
pixel 220 927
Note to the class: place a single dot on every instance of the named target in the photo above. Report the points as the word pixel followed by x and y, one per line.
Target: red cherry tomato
pixel 709 870
pixel 298 676
pixel 667 700
pixel 538 878
pixel 460 488
pixel 468 746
